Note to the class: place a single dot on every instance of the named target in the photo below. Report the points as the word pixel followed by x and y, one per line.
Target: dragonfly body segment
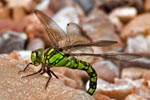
pixel 59 59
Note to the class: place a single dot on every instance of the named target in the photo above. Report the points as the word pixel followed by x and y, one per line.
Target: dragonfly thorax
pixel 37 57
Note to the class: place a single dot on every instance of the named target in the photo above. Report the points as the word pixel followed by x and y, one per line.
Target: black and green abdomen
pixel 58 59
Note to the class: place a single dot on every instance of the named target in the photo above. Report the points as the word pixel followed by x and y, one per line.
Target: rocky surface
pixel 13 87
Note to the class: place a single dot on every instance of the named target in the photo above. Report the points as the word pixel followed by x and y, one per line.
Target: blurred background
pixel 124 21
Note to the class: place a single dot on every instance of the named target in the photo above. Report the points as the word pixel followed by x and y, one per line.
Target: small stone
pixel 9 24
pixel 4 12
pixel 148 83
pixel 143 91
pixel 99 96
pixel 29 5
pixel 106 70
pixel 56 5
pixel 14 54
pixel 137 44
pixel 86 5
pixel 98 27
pixel 10 41
pixel 133 73
pixel 148 41
pixel 127 81
pixel 146 75
pixel 18 14
pixel 124 13
pixel 147 5
pixel 120 15
pixel 108 5
pixel 43 5
pixel 139 25
pixel 135 97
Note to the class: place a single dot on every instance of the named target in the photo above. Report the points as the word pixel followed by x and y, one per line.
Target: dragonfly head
pixel 37 56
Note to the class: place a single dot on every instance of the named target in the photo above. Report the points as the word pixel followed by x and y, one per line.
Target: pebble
pixel 106 70
pixel 147 5
pixel 10 41
pixel 86 5
pixel 135 97
pixel 121 15
pixel 28 5
pixel 137 44
pixel 57 5
pixel 4 12
pixel 139 25
pixel 133 73
pixel 43 5
pixel 98 27
pixel 143 91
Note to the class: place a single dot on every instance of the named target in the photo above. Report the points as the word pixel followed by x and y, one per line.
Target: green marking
pixel 62 62
pixel 94 75
pixel 73 64
pixel 55 57
pixel 86 65
pixel 48 57
pixel 81 66
pixel 90 70
pixel 50 51
pixel 46 61
pixel 93 79
pixel 68 64
pixel 91 91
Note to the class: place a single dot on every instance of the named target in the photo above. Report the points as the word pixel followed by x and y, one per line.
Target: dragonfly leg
pixel 25 68
pixel 33 73
pixel 50 76
pixel 44 70
pixel 54 74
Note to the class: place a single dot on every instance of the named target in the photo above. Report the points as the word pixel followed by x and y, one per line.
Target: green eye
pixel 33 57
pixel 39 54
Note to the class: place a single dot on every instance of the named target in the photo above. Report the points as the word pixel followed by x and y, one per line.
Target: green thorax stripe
pixel 50 51
pixel 53 56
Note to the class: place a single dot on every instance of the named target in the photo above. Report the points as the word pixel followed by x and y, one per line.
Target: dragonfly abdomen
pixel 58 59
pixel 81 65
pixel 74 63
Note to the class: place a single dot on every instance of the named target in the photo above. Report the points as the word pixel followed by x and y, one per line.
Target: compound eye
pixel 39 54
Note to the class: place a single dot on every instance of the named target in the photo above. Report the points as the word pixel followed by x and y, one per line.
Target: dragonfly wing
pixel 100 43
pixel 73 36
pixel 111 56
pixel 121 56
pixel 73 30
pixel 54 32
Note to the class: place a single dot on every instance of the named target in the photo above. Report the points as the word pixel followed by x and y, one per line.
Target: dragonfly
pixel 57 54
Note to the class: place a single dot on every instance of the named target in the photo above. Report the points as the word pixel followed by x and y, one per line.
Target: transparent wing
pixel 111 56
pixel 74 29
pixel 73 36
pixel 79 42
pixel 100 43
pixel 54 32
